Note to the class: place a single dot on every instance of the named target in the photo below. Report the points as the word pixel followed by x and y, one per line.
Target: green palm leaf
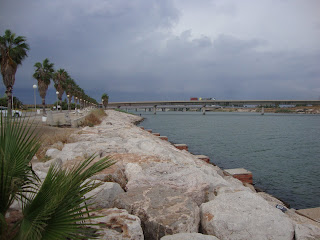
pixel 58 210
pixel 18 144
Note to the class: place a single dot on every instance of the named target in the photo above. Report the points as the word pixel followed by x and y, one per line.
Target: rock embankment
pixel 156 191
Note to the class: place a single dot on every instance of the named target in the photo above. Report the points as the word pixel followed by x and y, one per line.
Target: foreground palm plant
pixel 54 209
pixel 12 52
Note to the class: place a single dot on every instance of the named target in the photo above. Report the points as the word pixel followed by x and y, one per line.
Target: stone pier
pixel 241 174
pixel 181 146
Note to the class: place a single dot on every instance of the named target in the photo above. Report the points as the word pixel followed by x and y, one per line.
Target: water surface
pixel 281 150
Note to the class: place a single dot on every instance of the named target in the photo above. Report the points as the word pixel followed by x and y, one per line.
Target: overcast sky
pixel 172 50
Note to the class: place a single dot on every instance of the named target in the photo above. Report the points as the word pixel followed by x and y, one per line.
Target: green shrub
pixel 283 110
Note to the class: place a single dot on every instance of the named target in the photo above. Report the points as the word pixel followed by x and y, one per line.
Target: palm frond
pixel 18 144
pixel 59 211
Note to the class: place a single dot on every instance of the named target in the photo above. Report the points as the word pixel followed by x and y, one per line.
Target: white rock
pixel 41 175
pixel 189 236
pixel 118 224
pixel 162 210
pixel 307 232
pixel 244 215
pixel 44 166
pixel 52 152
pixel 104 195
pixel 195 181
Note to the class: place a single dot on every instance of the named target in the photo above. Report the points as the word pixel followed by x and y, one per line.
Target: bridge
pixel 203 104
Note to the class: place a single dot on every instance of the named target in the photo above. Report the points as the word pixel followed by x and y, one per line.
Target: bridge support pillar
pixel 136 109
pixel 145 109
pixel 155 109
pixel 262 111
pixel 184 109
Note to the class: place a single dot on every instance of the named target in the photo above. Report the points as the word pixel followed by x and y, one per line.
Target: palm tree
pixel 53 209
pixel 43 73
pixel 105 100
pixel 12 52
pixel 69 87
pixel 59 79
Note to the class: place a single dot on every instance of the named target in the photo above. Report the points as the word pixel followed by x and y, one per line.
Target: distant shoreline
pixel 296 110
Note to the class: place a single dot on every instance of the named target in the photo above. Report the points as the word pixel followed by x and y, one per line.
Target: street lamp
pixel 76 103
pixel 68 102
pixel 102 103
pixel 35 100
pixel 80 103
pixel 57 99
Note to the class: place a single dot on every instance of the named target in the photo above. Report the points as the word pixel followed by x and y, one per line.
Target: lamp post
pixel 35 100
pixel 68 102
pixel 102 103
pixel 80 103
pixel 57 99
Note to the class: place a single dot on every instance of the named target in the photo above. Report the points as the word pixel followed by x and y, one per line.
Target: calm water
pixel 281 150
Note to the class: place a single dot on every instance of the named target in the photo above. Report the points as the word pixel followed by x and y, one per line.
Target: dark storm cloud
pixel 129 49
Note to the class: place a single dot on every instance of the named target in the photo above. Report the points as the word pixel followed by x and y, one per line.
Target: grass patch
pixel 48 138
pixel 94 118
pixel 283 110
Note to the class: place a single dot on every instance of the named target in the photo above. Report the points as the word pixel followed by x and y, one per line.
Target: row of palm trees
pixel 63 83
pixel 13 50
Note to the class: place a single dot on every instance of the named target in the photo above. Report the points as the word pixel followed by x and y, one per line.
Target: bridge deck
pixel 215 102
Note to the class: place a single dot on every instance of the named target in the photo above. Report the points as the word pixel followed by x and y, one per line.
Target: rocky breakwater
pixel 155 190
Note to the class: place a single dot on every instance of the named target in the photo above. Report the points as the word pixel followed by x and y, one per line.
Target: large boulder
pixel 244 215
pixel 189 236
pixel 118 224
pixel 104 195
pixel 307 232
pixel 196 182
pixel 162 210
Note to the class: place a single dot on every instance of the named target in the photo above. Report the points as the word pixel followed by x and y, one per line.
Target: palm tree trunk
pixel 44 106
pixel 9 100
pixel 60 105
pixel 69 102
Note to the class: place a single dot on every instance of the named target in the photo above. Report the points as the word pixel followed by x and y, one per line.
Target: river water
pixel 281 150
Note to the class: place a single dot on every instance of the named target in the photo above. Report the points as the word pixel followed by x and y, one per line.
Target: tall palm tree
pixel 12 51
pixel 43 73
pixel 59 79
pixel 69 87
pixel 105 99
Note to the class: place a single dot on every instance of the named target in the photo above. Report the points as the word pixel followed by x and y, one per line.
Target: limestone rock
pixel 41 175
pixel 244 215
pixel 194 181
pixel 189 236
pixel 52 152
pixel 58 145
pixel 306 232
pixel 162 210
pixel 44 166
pixel 118 224
pixel 104 195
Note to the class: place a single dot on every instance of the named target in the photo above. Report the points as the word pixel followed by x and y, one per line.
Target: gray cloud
pixel 131 50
